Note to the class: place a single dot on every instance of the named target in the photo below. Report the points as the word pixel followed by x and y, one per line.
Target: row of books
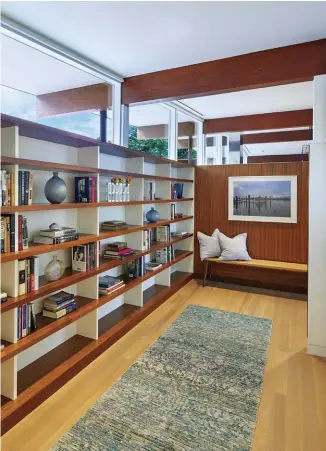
pixel 28 275
pixel 26 320
pixel 86 189
pixel 7 183
pixel 25 188
pixel 8 233
pixel 59 304
pixel 84 257
pixel 61 235
pixel 149 190
pixel 136 268
pixel 108 284
pixel 165 255
pixel 117 250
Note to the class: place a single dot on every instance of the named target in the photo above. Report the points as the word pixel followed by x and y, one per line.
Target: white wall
pixel 317 225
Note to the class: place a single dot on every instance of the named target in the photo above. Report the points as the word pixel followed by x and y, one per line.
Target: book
pixel 54 307
pixel 24 233
pixel 60 313
pixel 60 297
pixel 179 233
pixel 55 240
pixel 21 277
pixel 84 257
pixel 124 251
pixel 152 266
pixel 64 231
pixel 163 233
pixel 85 189
pixel 173 211
pixel 109 281
pixel 116 246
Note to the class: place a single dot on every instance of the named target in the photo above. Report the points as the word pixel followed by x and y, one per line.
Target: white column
pixel 200 144
pixel 317 224
pixel 173 134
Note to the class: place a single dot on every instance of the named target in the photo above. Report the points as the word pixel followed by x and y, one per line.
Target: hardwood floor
pixel 292 414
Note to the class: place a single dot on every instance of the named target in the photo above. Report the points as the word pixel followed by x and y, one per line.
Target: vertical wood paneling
pixel 267 241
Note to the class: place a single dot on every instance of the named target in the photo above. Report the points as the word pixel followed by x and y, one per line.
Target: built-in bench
pixel 268 264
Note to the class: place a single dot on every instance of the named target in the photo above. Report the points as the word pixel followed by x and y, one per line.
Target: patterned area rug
pixel 196 388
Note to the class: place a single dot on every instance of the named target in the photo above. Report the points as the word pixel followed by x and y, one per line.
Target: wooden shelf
pixel 71 205
pixel 45 133
pixel 70 277
pixel 42 378
pixel 153 291
pixel 47 326
pixel 118 315
pixel 45 364
pixel 37 249
pixel 60 167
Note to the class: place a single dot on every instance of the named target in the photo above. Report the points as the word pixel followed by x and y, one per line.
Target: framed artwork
pixel 263 199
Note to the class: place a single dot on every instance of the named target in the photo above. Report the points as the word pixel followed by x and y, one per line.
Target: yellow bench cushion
pixel 296 267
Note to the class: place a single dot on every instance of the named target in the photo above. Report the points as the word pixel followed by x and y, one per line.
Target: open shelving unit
pixel 37 365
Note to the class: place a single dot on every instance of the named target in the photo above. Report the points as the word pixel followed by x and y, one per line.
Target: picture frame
pixel 263 199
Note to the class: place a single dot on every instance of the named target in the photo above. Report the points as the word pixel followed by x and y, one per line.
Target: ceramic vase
pixel 152 215
pixel 55 189
pixel 179 190
pixel 54 269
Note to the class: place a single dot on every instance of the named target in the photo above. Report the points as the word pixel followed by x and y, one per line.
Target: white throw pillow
pixel 209 246
pixel 234 248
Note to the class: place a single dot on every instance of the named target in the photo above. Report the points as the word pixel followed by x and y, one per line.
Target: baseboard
pixel 319 351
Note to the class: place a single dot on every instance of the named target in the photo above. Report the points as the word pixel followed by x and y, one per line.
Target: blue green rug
pixel 196 388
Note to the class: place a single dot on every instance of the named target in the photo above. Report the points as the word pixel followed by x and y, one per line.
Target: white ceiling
pixel 138 37
pixel 285 148
pixel 297 96
pixel 26 69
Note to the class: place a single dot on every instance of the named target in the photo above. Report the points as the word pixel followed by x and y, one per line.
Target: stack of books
pixel 62 235
pixel 7 183
pixel 164 255
pixel 163 234
pixel 135 268
pixel 117 250
pixel 84 257
pixel 85 189
pixel 25 188
pixel 114 225
pixel 8 233
pixel 28 275
pixel 109 284
pixel 59 305
pixel 26 320
pixel 179 234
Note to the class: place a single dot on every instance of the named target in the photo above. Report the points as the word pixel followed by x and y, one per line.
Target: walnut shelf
pixel 70 168
pixel 70 205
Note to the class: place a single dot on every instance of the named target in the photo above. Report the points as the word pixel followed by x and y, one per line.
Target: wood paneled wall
pixel 266 240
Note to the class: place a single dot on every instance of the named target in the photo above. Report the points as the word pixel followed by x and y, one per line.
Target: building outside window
pixel 187 138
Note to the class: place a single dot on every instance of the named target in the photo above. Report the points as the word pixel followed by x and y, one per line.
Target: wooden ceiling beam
pixel 92 97
pixel 283 65
pixel 276 137
pixel 253 122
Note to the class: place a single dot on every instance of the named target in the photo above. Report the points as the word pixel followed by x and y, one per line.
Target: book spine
pixel 12 233
pixel 93 189
pixel 7 234
pixel 2 234
pixel 18 322
pixel 33 318
pixel 13 191
pixel 20 188
pixel 23 188
pixel 21 277
pixel 26 188
pixel 28 276
pixel 89 189
pixel 4 188
pixel 25 233
pixel 8 182
pixel 24 326
pixel 36 264
pixel 32 273
pixel 20 232
pixel 30 189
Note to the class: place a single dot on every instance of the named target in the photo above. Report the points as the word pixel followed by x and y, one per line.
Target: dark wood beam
pixel 276 137
pixel 93 97
pixel 268 121
pixel 291 64
pixel 278 158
